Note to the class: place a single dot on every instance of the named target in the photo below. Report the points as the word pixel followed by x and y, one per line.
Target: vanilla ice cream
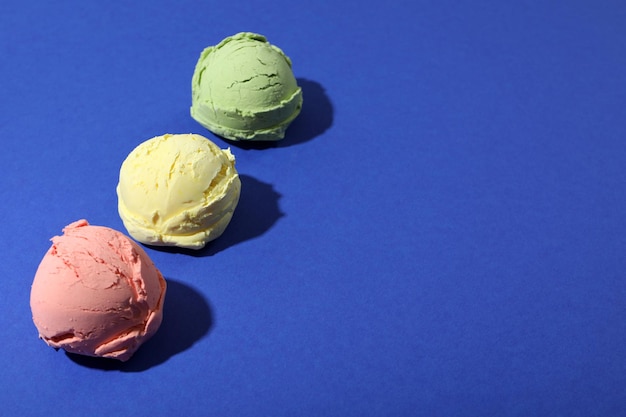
pixel 96 293
pixel 178 190
pixel 244 89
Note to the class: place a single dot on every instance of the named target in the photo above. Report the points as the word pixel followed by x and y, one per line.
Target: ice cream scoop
pixel 96 293
pixel 244 89
pixel 178 190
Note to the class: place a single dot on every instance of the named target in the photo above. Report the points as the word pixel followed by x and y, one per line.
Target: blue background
pixel 441 233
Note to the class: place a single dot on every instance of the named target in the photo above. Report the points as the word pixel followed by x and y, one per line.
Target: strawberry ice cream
pixel 97 293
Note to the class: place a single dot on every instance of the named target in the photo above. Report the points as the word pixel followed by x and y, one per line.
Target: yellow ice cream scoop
pixel 244 89
pixel 178 190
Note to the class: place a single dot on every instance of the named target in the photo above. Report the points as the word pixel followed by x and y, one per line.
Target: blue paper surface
pixel 441 233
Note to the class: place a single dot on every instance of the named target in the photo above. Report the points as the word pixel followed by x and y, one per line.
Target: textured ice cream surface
pixel 178 190
pixel 96 293
pixel 244 89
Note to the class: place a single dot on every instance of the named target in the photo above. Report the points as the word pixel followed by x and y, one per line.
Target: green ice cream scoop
pixel 243 89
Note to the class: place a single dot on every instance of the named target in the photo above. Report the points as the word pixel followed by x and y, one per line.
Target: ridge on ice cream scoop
pixel 96 293
pixel 244 89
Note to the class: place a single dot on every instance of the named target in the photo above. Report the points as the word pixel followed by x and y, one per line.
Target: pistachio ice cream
pixel 244 89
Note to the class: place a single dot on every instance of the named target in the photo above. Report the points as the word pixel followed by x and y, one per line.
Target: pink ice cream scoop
pixel 96 293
